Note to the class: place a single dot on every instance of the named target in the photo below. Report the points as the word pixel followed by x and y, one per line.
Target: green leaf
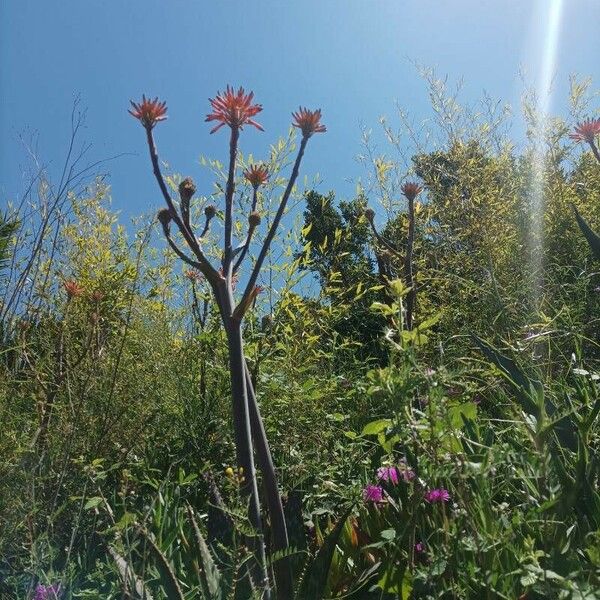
pixel 590 235
pixel 314 581
pixel 396 581
pixel 529 392
pixel 210 577
pixel 460 412
pixel 165 568
pixel 93 503
pixel 374 427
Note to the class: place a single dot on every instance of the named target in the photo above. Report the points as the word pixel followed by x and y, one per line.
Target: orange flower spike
pixel 193 275
pixel 73 289
pixel 308 121
pixel 586 131
pixel 257 175
pixel 411 190
pixel 234 109
pixel 149 112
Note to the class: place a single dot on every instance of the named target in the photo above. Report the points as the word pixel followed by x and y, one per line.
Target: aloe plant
pixel 235 110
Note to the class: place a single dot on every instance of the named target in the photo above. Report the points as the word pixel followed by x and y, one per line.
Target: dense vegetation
pixel 454 456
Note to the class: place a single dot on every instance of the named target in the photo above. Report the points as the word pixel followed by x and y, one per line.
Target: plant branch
pixel 595 150
pixel 244 249
pixel 204 265
pixel 229 191
pixel 177 251
pixel 383 241
pixel 273 229
pixel 206 227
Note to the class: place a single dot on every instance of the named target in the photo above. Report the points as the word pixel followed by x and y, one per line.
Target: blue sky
pixel 352 58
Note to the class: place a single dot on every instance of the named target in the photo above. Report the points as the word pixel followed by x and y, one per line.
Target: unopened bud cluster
pixel 187 189
pixel 254 219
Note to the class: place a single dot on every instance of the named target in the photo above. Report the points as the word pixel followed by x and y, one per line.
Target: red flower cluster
pixel 308 121
pixel 234 109
pixel 193 275
pixel 149 112
pixel 72 288
pixel 411 190
pixel 256 175
pixel 586 131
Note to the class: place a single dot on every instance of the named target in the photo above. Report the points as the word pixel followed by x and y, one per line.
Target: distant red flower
pixel 149 112
pixel 97 296
pixel 72 288
pixel 308 121
pixel 193 275
pixel 411 190
pixel 256 175
pixel 234 279
pixel 234 109
pixel 586 131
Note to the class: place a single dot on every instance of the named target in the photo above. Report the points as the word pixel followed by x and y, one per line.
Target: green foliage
pixel 117 465
pixel 592 238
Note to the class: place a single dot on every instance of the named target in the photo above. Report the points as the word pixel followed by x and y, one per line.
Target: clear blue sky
pixel 352 58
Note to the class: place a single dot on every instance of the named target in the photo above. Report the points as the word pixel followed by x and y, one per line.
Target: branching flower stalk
pixel 410 190
pixel 236 109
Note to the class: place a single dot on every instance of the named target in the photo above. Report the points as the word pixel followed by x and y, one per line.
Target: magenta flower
pixel 419 548
pixel 407 474
pixel 373 493
pixel 437 495
pixel 47 592
pixel 405 471
pixel 388 474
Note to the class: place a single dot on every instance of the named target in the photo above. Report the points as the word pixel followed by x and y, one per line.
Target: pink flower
pixel 407 474
pixel 405 471
pixel 373 493
pixel 437 495
pixel 419 548
pixel 47 592
pixel 388 474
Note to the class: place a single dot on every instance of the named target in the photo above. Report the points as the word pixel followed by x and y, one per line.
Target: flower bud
pixel 254 219
pixel 164 216
pixel 187 189
pixel 210 211
pixel 267 323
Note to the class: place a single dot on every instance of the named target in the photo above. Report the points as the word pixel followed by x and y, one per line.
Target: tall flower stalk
pixel 410 190
pixel 235 110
